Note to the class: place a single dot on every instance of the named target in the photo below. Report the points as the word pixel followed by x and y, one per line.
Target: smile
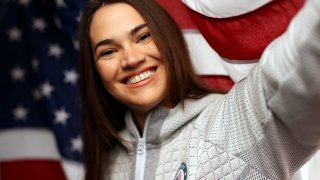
pixel 140 77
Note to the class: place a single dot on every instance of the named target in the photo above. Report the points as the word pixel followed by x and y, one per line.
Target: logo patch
pixel 182 172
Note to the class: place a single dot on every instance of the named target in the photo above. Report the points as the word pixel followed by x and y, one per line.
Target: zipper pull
pixel 140 146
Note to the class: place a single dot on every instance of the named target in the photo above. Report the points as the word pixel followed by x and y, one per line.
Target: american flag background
pixel 40 103
pixel 40 119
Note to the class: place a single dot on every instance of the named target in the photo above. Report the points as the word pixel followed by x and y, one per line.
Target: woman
pixel 147 116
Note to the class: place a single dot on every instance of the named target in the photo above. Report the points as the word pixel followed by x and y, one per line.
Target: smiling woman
pixel 137 60
pixel 147 116
pixel 127 59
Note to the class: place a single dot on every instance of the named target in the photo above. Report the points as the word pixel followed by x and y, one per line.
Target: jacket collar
pixel 162 122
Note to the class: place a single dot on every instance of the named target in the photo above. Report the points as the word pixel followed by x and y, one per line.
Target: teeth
pixel 140 77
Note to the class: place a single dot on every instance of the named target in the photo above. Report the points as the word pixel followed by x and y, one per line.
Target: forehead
pixel 114 19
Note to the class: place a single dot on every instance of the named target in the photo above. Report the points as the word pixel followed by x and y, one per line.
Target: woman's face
pixel 127 58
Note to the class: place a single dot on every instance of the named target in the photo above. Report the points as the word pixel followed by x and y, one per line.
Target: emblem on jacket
pixel 182 172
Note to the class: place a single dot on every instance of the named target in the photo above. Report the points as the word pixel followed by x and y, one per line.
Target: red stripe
pixel 179 12
pixel 31 170
pixel 223 83
pixel 245 37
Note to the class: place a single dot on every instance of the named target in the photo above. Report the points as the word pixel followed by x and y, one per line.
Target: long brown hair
pixel 102 114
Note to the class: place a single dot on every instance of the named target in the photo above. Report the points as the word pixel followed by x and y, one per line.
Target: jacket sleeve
pixel 290 75
pixel 271 119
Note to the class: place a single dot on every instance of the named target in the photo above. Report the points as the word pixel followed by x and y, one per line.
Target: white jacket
pixel 266 127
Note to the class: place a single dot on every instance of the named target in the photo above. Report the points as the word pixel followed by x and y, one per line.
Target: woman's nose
pixel 132 57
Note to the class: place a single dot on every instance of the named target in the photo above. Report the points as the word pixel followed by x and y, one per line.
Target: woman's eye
pixel 144 37
pixel 107 53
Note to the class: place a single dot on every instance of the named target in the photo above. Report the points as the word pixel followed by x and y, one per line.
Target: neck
pixel 140 119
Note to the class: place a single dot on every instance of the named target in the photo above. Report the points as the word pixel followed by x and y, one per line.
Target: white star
pixel 20 113
pixel 79 17
pixel 76 44
pixel 46 89
pixel 60 3
pixel 71 76
pixel 17 74
pixel 14 34
pixel 35 64
pixel 61 116
pixel 77 144
pixel 36 94
pixel 39 24
pixel 24 2
pixel 55 50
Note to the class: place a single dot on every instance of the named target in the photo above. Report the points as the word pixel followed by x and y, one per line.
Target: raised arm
pixel 271 119
pixel 290 69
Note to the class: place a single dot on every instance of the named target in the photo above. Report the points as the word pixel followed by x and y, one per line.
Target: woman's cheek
pixel 107 71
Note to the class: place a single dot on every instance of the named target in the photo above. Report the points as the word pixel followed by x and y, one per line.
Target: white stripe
pixel 73 170
pixel 205 60
pixel 238 69
pixel 27 143
pixel 224 8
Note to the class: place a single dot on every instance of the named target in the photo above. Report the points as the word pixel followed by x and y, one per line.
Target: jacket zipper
pixel 140 159
pixel 141 154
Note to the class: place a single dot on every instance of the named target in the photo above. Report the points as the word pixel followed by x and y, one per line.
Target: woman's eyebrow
pixel 137 28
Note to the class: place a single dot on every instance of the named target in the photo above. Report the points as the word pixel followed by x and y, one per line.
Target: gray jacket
pixel 266 127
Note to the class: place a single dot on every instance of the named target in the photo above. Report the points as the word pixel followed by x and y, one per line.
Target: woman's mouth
pixel 140 77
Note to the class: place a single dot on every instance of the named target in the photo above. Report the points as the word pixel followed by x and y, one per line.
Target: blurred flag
pixel 40 119
pixel 239 31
